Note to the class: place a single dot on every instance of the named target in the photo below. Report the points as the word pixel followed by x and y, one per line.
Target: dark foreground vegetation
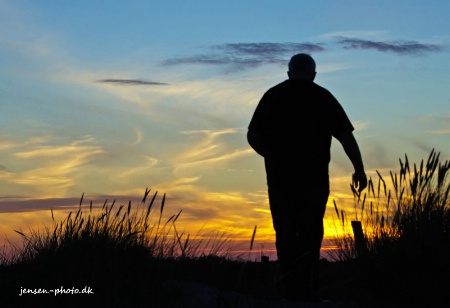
pixel 405 258
pixel 131 258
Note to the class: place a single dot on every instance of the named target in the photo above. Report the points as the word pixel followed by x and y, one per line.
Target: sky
pixel 107 98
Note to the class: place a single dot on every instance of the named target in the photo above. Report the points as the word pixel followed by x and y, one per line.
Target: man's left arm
pixel 351 148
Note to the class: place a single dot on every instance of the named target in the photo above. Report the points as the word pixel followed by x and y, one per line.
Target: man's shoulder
pixel 323 93
pixel 295 82
pixel 275 91
pixel 320 88
pixel 293 86
pixel 278 86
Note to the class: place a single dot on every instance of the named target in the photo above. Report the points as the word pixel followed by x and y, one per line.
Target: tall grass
pixel 406 219
pixel 412 210
pixel 120 251
pixel 87 229
pixel 118 227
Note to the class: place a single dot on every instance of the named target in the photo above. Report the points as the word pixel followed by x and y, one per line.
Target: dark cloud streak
pixel 13 204
pixel 132 82
pixel 242 56
pixel 398 47
pixel 268 49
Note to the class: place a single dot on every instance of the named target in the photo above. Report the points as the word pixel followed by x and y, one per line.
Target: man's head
pixel 302 66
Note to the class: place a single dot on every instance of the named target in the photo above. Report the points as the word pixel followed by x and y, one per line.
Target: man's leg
pixel 297 220
pixel 310 235
pixel 283 217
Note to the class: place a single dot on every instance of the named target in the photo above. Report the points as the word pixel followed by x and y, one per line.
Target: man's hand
pixel 351 148
pixel 359 180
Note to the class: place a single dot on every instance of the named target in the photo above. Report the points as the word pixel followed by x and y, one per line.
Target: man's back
pixel 297 119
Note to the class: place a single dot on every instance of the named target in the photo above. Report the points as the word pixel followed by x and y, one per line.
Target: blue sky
pixel 110 97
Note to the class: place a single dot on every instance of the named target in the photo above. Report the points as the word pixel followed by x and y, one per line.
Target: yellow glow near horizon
pixel 205 214
pixel 236 227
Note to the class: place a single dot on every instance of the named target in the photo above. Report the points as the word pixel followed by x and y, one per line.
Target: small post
pixel 360 241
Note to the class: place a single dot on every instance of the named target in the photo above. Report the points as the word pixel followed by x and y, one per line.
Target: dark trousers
pixel 298 222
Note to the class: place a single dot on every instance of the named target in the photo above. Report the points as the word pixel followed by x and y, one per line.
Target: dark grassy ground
pixel 129 277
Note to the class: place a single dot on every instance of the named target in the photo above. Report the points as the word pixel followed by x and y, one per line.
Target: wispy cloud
pixel 50 169
pixel 359 125
pixel 442 120
pixel 30 205
pixel 208 150
pixel 398 47
pixel 375 34
pixel 207 146
pixel 441 131
pixel 218 159
pixel 243 56
pixel 78 147
pixel 6 144
pixel 132 82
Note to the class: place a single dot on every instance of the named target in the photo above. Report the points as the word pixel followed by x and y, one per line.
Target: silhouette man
pixel 292 128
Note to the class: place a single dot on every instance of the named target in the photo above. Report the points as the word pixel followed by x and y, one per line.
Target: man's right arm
pixel 351 148
pixel 256 141
pixel 258 125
